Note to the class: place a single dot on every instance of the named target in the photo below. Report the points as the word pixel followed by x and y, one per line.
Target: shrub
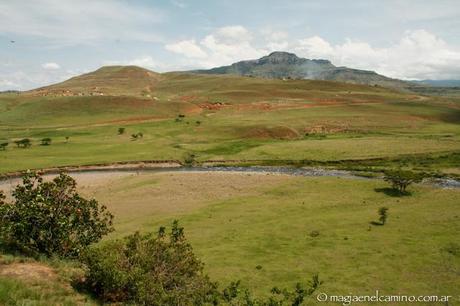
pixel 149 270
pixel 400 179
pixel 51 218
pixel 23 143
pixel 383 215
pixel 121 131
pixel 189 160
pixel 162 269
pixel 3 146
pixel 46 141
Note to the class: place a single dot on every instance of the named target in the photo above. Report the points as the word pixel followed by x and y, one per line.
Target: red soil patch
pixel 279 132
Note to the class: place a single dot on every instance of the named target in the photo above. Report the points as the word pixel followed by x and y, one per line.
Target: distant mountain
pixel 439 83
pixel 284 65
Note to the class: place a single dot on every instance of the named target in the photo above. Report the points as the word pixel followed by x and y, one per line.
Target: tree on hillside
pixel 3 146
pixel 46 141
pixel 401 179
pixel 51 218
pixel 23 143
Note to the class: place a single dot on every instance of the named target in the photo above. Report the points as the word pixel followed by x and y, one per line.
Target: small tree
pixel 189 159
pixel 121 131
pixel 23 143
pixel 400 179
pixel 383 215
pixel 51 218
pixel 3 146
pixel 46 141
pixel 67 139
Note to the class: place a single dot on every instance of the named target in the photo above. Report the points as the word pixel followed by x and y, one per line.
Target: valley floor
pixel 269 230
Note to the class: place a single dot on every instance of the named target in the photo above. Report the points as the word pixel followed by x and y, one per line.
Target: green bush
pixel 3 146
pixel 23 143
pixel 150 270
pixel 162 269
pixel 383 215
pixel 51 218
pixel 46 141
pixel 121 131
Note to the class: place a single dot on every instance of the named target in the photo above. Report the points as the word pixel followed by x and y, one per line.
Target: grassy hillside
pixel 223 117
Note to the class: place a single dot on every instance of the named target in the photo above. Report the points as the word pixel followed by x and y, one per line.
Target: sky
pixel 47 41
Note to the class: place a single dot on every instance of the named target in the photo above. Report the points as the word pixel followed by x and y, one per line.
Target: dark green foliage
pixel 189 160
pixel 149 270
pixel 46 141
pixel 383 215
pixel 401 179
pixel 198 122
pixel 121 131
pixel 162 269
pixel 51 218
pixel 67 138
pixel 137 136
pixel 234 295
pixel 23 143
pixel 3 146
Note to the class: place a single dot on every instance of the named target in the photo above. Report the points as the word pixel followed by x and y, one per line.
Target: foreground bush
pixel 163 270
pixel 51 218
pixel 149 269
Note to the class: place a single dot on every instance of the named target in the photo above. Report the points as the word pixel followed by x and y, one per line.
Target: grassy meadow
pixel 259 228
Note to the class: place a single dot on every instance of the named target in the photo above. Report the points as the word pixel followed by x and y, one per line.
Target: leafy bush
pixel 150 270
pixel 51 218
pixel 400 179
pixel 121 131
pixel 3 146
pixel 23 143
pixel 162 269
pixel 189 160
pixel 383 215
pixel 46 141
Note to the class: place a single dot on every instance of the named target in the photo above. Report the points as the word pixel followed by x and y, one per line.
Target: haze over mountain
pixel 288 65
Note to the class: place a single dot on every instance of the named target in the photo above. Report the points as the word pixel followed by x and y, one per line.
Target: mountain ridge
pixel 285 65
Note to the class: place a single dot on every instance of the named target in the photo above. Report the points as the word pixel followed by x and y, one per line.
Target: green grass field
pixel 237 222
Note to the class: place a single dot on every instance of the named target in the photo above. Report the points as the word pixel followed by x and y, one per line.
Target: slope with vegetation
pixel 224 117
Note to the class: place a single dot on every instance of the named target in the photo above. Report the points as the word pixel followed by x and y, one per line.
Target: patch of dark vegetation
pixel 452 116
pixel 452 249
pixel 392 192
pixel 383 216
pixel 230 148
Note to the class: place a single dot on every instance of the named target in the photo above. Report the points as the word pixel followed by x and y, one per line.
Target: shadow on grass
pixel 393 192
pixel 376 223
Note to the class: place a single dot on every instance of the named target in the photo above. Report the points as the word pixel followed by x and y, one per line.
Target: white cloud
pixel 179 4
pixel 188 48
pixel 51 66
pixel 67 22
pixel 418 54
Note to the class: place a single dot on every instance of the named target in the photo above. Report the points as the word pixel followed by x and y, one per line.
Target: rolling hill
pixel 288 65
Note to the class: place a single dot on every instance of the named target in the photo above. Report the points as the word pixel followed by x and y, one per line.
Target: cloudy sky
pixel 45 41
